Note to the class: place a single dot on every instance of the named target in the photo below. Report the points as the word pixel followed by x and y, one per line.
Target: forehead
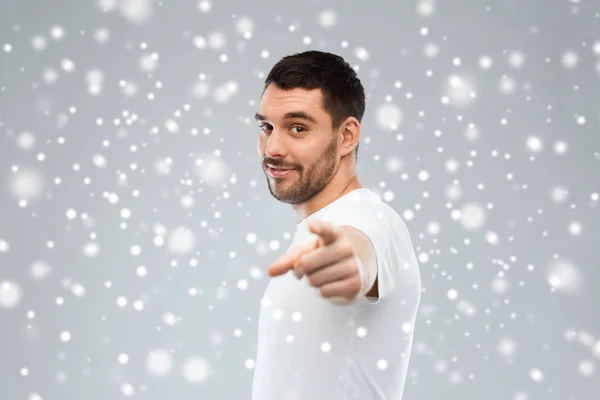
pixel 276 102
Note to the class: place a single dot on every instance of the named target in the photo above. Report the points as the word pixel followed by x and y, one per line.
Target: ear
pixel 349 134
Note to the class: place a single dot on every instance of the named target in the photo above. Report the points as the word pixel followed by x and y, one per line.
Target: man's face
pixel 308 149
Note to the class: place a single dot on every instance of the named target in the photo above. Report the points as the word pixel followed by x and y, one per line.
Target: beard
pixel 301 185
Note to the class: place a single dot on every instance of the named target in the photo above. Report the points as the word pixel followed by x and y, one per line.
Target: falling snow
pixel 136 225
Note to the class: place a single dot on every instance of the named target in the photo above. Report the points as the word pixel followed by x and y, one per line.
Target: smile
pixel 279 173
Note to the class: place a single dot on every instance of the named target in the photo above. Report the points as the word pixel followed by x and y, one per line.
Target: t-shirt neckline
pixel 321 210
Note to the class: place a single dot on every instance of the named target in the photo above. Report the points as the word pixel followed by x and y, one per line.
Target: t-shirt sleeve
pixel 397 268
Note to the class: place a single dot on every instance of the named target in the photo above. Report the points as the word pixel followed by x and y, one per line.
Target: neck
pixel 341 184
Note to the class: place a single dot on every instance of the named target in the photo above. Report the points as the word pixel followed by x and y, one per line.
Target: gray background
pixel 505 225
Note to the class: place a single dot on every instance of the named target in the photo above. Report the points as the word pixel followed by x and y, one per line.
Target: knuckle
pixel 346 249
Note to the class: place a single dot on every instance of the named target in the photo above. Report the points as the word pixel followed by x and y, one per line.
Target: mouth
pixel 279 172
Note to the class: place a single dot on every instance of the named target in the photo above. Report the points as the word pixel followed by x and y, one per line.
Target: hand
pixel 329 262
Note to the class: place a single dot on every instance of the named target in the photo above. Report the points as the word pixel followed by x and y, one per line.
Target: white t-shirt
pixel 312 349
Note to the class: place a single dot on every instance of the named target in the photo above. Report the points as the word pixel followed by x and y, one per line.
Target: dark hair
pixel 343 93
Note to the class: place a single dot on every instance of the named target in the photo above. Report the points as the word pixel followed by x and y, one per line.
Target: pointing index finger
pixel 328 232
pixel 286 262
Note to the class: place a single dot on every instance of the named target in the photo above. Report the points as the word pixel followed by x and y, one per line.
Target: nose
pixel 275 145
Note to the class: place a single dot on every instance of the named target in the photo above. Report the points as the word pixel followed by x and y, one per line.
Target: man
pixel 336 320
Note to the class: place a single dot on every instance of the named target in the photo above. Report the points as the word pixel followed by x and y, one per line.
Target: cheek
pixel 260 149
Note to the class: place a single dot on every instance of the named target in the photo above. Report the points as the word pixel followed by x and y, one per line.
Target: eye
pixel 268 127
pixel 263 126
pixel 300 127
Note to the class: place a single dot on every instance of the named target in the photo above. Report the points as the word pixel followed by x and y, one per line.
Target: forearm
pixel 365 252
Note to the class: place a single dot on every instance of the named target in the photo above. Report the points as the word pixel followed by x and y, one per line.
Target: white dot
pixel 452 294
pixel 199 42
pixel 560 147
pixel 433 228
pixel 564 276
pixel 102 35
pixel 507 85
pixel 570 59
pixel 65 336
pixel 499 285
pixel 361 53
pixel 485 62
pixel 4 246
pixel 57 32
pixel 296 316
pixel 536 374
pixel 389 116
pixel 472 216
pixel 361 331
pixel 431 50
pixel 196 370
pixel 244 26
pixel 141 271
pixel 26 140
pixel 91 249
pixel 325 347
pixel 39 43
pixel 587 368
pixel 516 59
pixel 426 8
pixel 67 65
pixel 159 362
pixel 10 294
pixel 575 228
pixel 204 6
pixel 251 237
pixel 7 48
pixel 393 164
pixel 39 269
pixel 507 347
pixel 217 40
pixel 559 194
pixel 328 19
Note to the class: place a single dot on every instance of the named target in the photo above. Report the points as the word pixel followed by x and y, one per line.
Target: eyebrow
pixel 289 115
